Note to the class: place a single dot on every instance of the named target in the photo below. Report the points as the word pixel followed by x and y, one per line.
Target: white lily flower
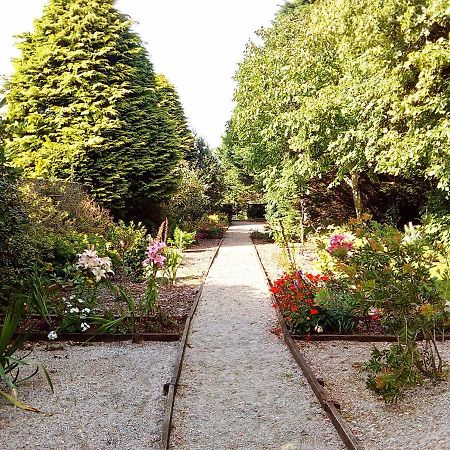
pixel 98 273
pixel 84 326
pixel 74 310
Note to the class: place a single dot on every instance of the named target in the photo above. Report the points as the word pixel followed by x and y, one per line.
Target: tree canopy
pixel 84 105
pixel 344 88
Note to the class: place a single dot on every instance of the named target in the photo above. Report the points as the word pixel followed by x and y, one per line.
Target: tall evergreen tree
pixel 210 171
pixel 83 105
pixel 170 101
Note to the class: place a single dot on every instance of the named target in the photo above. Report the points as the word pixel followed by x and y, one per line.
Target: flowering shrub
pixel 389 274
pixel 295 297
pixel 340 244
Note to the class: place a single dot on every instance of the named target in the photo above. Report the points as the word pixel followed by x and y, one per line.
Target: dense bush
pixel 13 253
pixel 378 267
pixel 190 203
pixel 45 225
pixel 64 205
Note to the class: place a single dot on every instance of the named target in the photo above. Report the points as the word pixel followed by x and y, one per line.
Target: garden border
pixel 356 337
pixel 330 406
pixel 171 388
pixel 104 337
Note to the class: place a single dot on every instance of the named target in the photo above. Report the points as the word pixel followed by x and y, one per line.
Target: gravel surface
pixel 419 422
pixel 196 261
pixel 240 388
pixel 106 396
pixel 272 259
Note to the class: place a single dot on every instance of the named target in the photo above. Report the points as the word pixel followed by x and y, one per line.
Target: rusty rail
pixel 330 406
pixel 171 388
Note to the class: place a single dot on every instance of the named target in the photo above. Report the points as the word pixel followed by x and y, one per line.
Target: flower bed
pixel 377 280
pixel 77 315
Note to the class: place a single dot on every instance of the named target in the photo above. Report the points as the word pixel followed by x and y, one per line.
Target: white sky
pixel 195 43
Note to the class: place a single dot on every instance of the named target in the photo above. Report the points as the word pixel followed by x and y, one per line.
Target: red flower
pixel 314 311
pixel 294 308
pixel 275 289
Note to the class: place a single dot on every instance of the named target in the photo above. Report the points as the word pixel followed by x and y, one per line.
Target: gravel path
pixel 106 396
pixel 240 388
pixel 419 422
pixel 271 256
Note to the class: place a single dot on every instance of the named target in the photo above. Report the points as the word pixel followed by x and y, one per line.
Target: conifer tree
pixel 83 105
pixel 170 101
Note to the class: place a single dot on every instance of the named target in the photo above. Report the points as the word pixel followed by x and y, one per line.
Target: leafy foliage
pixel 190 203
pixel 379 267
pixel 170 102
pixel 206 164
pixel 10 363
pixel 83 105
pixel 295 294
pixel 343 89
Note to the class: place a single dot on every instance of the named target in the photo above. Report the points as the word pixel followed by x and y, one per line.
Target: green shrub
pixel 181 239
pixel 341 310
pixel 64 205
pixel 129 242
pixel 190 203
pixel 46 224
pixel 13 251
pixel 378 266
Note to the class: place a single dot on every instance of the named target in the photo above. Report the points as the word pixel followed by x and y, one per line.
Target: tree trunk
pixel 356 192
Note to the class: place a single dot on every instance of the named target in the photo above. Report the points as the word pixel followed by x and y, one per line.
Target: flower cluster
pixel 295 297
pixel 155 255
pixel 52 335
pixel 340 244
pixel 411 235
pixel 90 261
